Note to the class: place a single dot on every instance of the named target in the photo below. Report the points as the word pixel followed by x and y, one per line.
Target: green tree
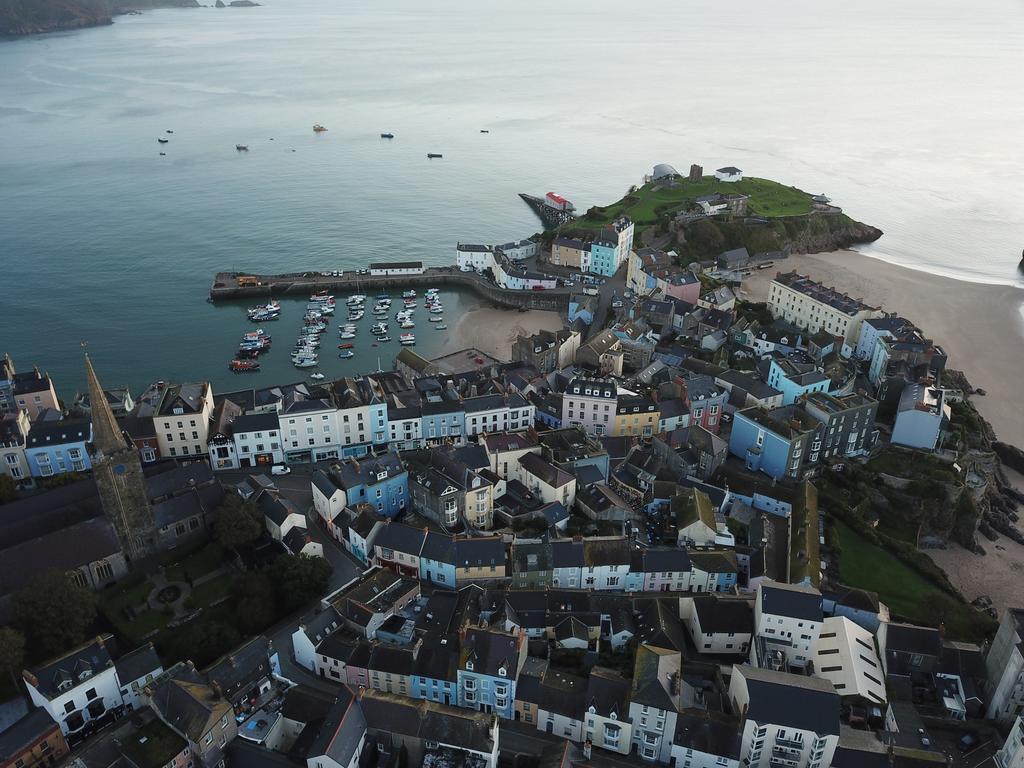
pixel 54 613
pixel 8 489
pixel 201 642
pixel 298 579
pixel 12 653
pixel 236 522
pixel 255 602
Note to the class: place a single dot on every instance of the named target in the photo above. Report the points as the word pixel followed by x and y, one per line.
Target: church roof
pixel 107 436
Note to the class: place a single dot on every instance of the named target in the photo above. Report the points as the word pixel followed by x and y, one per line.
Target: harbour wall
pixel 226 286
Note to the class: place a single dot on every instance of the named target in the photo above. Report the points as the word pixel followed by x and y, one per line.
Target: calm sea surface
pixel 909 115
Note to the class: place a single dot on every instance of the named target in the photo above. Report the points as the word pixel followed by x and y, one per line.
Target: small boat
pixel 305 363
pixel 407 337
pixel 408 342
pixel 484 130
pixel 163 141
pixel 317 376
pixel 346 354
pixel 243 366
pixel 170 131
pixel 382 296
pixel 436 319
pixel 433 155
pixel 436 309
pixel 345 346
pixel 355 299
pixel 318 128
pixel 242 147
pixel 441 327
pixel 163 154
pixel 383 339
pixel 410 294
pixel 387 135
pixel 346 335
pixel 406 326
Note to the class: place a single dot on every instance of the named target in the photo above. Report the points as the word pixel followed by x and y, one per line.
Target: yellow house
pixel 182 419
pixel 480 559
pixel 566 252
pixel 636 415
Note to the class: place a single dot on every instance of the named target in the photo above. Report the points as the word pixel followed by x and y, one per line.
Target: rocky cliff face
pixel 828 233
pixel 30 17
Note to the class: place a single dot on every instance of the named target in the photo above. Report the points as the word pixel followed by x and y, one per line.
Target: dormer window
pixel 63 685
pixel 85 674
pixel 382 475
pixel 614 716
pixel 469 665
pixel 178 410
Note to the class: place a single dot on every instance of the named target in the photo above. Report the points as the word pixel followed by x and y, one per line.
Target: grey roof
pixel 791 600
pixel 242 667
pixel 489 651
pixel 256 422
pixel 198 501
pixel 342 731
pixel 135 665
pixel 58 433
pixel 24 733
pixel 545 470
pixel 323 483
pixel 661 560
pixel 907 638
pixel 478 553
pixel 566 554
pixel 439 547
pixel 780 698
pixel 724 615
pixel 400 537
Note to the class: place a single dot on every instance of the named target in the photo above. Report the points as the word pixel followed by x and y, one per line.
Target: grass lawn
pixel 767 198
pixel 113 606
pixel 907 593
pixel 210 591
pixel 199 563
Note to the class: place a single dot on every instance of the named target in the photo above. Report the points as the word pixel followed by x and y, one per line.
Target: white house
pixel 606 719
pixel 405 428
pixel 546 481
pixel 328 500
pixel 383 269
pixel 310 633
pixel 718 625
pixel 787 621
pixel 590 404
pixel 135 670
pixel 1011 754
pixel 498 413
pixel 79 686
pixel 518 250
pixel 920 417
pixel 310 431
pixel 1004 669
pixel 729 173
pixel 845 656
pixel 470 257
pixel 653 705
pixel 789 718
pixel 257 439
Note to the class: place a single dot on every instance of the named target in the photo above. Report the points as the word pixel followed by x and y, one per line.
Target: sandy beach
pixel 978 325
pixel 492 330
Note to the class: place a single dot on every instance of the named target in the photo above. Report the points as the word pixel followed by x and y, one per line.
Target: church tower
pixel 118 474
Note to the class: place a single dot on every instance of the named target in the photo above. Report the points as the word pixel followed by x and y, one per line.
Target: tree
pixel 236 522
pixel 12 653
pixel 201 642
pixel 255 602
pixel 8 489
pixel 299 579
pixel 54 613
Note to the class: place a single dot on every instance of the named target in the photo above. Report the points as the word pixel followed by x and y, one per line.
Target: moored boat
pixel 316 376
pixel 441 327
pixel 346 354
pixel 243 366
pixel 387 135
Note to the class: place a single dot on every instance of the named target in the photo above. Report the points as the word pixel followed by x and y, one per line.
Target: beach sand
pixel 980 326
pixel 492 330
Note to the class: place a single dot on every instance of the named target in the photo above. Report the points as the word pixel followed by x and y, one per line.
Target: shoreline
pixel 493 329
pixel 979 325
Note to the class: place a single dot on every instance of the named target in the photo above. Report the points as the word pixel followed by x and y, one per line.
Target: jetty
pixel 551 216
pixel 245 285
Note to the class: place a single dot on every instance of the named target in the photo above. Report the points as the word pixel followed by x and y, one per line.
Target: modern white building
pixel 787 622
pixel 845 656
pixel 1004 669
pixel 790 720
pixel 518 249
pixel 729 173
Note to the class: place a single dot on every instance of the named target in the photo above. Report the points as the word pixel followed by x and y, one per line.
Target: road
pixel 612 289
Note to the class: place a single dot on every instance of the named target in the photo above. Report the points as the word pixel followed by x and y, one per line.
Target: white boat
pixel 436 310
pixel 408 342
pixel 355 299
pixel 441 327
pixel 346 354
pixel 317 376
pixel 322 296
pixel 407 337
pixel 436 319
pixel 305 363
pixel 405 325
pixel 410 294
pixel 346 335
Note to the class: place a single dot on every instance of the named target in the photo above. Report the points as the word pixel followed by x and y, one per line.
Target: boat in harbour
pixel 410 294
pixel 163 141
pixel 242 147
pixel 441 327
pixel 435 319
pixel 387 135
pixel 317 128
pixel 383 338
pixel 433 155
pixel 345 346
pixel 309 362
pixel 316 376
pixel 243 366
pixel 346 354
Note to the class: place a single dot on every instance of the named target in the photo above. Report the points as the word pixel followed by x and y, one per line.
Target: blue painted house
pixel 442 421
pixel 437 560
pixel 58 447
pixel 713 570
pixel 776 442
pixel 795 380
pixel 581 308
pixel 435 674
pixel 489 665
pixel 378 480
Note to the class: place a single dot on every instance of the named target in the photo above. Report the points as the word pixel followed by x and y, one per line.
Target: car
pixel 280 469
pixel 726 417
pixel 616 304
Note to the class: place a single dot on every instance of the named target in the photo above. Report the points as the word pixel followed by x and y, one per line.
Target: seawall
pixel 226 286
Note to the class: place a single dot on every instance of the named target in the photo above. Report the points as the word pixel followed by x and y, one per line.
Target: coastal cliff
pixel 32 17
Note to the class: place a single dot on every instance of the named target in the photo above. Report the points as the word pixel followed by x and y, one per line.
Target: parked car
pixel 280 469
pixel 968 741
pixel 616 304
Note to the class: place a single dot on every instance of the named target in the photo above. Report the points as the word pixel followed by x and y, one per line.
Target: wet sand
pixel 493 330
pixel 979 326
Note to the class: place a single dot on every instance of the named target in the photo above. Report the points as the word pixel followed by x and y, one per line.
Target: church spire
pixel 106 434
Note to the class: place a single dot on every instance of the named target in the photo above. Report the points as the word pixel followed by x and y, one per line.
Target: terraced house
pixel 489 665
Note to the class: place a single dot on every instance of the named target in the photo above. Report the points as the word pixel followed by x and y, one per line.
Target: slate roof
pixel 26 732
pixel 135 665
pixel 907 638
pixel 256 422
pixel 489 651
pixel 439 547
pixel 779 698
pixel 566 554
pixel 342 731
pixel 660 560
pixel 647 688
pixel 400 537
pixel 187 703
pixel 706 732
pixel 427 720
pixel 242 667
pixel 58 433
pixel 480 553
pixel 608 692
pixel 723 615
pixel 791 600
